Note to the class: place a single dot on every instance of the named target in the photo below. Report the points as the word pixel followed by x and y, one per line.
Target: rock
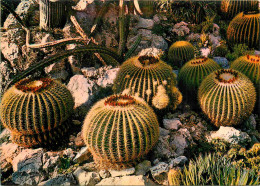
pixel 216 29
pixel 251 123
pixel 159 42
pixel 163 132
pixel 124 172
pixel 143 167
pixel 57 71
pixel 181 29
pixel 231 135
pixel 172 124
pixel 69 153
pixel 65 179
pixel 104 174
pixel 83 155
pixel 257 52
pixel 181 140
pixel 5 135
pixel 157 18
pixel 160 173
pixel 178 161
pixel 90 167
pixel 108 78
pixel 79 142
pixel 222 61
pixel 50 163
pixel 86 178
pixel 90 72
pixel 205 52
pixel 215 40
pixel 5 73
pixel 126 180
pixel 163 149
pixel 24 178
pixel 25 10
pixel 10 51
pixel 145 23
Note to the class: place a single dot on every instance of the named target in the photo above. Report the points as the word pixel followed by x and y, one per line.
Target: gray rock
pixel 143 167
pixel 145 23
pixel 108 78
pixel 5 134
pixel 83 155
pixel 231 135
pixel 124 172
pixel 57 71
pixel 159 42
pixel 160 173
pixel 257 52
pixel 10 51
pixel 179 161
pixel 104 174
pixel 65 179
pixel 163 149
pixel 5 73
pixel 69 153
pixel 251 123
pixel 215 40
pixel 90 72
pixel 163 132
pixel 172 124
pixel 222 61
pixel 50 163
pixel 24 178
pixel 126 180
pixel 86 178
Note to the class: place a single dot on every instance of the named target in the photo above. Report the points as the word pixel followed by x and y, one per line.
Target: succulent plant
pixel 52 13
pixel 230 8
pixel 150 78
pixel 180 52
pixel 34 110
pixel 227 97
pixel 174 177
pixel 120 130
pixel 192 74
pixel 221 50
pixel 245 28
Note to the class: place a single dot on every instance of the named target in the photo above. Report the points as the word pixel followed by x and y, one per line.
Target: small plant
pixel 227 97
pixel 221 50
pixel 245 28
pixel 120 130
pixel 180 52
pixel 239 50
pixel 35 111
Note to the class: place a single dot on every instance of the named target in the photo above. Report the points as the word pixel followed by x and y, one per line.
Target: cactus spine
pixel 52 13
pixel 192 74
pixel 227 97
pixel 146 76
pixel 244 28
pixel 120 130
pixel 34 111
pixel 180 52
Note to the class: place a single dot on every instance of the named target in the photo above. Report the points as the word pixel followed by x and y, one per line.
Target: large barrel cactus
pixel 230 8
pixel 180 52
pixel 35 110
pixel 245 28
pixel 227 97
pixel 193 73
pixel 120 130
pixel 150 78
pixel 52 13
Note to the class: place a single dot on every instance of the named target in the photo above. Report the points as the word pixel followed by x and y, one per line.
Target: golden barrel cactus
pixel 150 78
pixel 245 28
pixel 227 97
pixel 180 52
pixel 34 110
pixel 192 74
pixel 120 130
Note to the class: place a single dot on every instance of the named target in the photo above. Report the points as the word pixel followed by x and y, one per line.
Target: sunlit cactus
pixel 52 13
pixel 245 28
pixel 174 177
pixel 148 77
pixel 227 97
pixel 34 111
pixel 230 8
pixel 120 130
pixel 192 74
pixel 180 52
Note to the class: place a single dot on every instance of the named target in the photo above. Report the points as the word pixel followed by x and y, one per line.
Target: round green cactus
pixel 34 110
pixel 120 130
pixel 180 52
pixel 150 78
pixel 245 28
pixel 227 97
pixel 230 8
pixel 192 74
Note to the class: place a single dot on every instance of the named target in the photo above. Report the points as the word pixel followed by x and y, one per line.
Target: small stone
pixel 50 163
pixel 143 167
pixel 83 155
pixel 163 149
pixel 222 61
pixel 64 179
pixel 251 122
pixel 69 153
pixel 5 134
pixel 90 72
pixel 160 173
pixel 86 178
pixel 104 174
pixel 178 161
pixel 125 172
pixel 172 124
pixel 24 178
pixel 145 23
pixel 108 78
pixel 126 180
pixel 79 142
pixel 164 132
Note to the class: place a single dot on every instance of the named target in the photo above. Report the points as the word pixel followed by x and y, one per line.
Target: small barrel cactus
pixel 174 177
pixel 192 74
pixel 34 110
pixel 230 8
pixel 180 52
pixel 245 28
pixel 120 130
pixel 52 13
pixel 150 78
pixel 227 97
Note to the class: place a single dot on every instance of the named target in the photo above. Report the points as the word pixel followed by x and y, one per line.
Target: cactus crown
pixel 228 76
pixel 33 85
pixel 120 100
pixel 148 60
pixel 253 58
pixel 198 60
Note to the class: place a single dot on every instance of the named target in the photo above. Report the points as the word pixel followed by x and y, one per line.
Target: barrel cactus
pixel 244 28
pixel 150 78
pixel 120 130
pixel 227 97
pixel 230 8
pixel 52 13
pixel 180 52
pixel 192 74
pixel 35 111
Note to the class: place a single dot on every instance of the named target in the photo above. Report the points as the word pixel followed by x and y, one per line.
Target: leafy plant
pixel 239 50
